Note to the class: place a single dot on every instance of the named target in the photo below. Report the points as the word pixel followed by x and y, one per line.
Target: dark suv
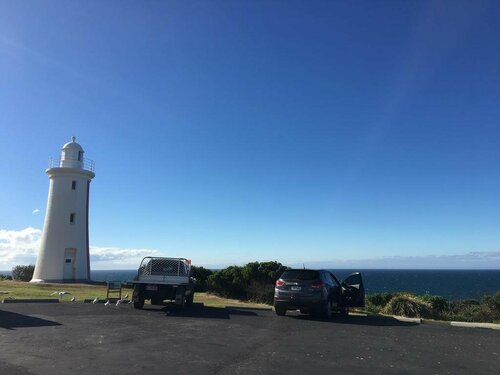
pixel 317 292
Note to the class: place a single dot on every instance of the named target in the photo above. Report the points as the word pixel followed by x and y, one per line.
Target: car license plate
pixel 151 287
pixel 295 288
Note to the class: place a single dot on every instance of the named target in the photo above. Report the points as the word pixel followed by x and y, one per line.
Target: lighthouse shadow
pixel 199 310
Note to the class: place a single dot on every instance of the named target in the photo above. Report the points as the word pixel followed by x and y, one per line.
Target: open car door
pixel 353 291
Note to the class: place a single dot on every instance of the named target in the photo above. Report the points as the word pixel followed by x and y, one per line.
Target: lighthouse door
pixel 69 264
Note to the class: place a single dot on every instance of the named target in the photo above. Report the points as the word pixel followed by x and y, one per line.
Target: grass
pixel 408 305
pixel 20 290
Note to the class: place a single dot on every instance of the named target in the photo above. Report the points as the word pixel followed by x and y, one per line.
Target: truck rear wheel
pixel 189 299
pixel 137 297
pixel 180 297
pixel 140 303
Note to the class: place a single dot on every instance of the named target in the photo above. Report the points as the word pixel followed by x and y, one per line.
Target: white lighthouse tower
pixel 64 250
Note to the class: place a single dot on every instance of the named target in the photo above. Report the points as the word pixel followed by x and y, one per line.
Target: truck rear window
pixel 167 268
pixel 300 275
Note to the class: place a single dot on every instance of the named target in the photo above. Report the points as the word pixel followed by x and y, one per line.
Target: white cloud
pixel 471 260
pixel 119 256
pixel 35 211
pixel 19 245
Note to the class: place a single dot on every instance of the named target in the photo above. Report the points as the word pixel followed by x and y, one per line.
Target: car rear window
pixel 300 275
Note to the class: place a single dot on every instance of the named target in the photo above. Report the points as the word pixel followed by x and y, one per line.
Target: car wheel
pixel 344 311
pixel 280 311
pixel 327 310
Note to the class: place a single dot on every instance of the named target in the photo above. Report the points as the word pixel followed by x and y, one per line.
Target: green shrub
pixel 492 301
pixel 496 301
pixel 472 313
pixel 5 277
pixel 436 306
pixel 201 275
pixel 23 273
pixel 484 310
pixel 379 299
pixel 376 302
pixel 260 292
pixel 408 305
pixel 228 282
pixel 254 281
pixel 439 305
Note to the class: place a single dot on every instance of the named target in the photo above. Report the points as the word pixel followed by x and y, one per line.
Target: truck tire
pixel 140 303
pixel 180 297
pixel 189 299
pixel 137 297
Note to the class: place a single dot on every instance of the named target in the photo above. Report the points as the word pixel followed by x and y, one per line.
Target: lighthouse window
pixel 68 260
pixel 72 218
pixel 79 156
pixel 73 185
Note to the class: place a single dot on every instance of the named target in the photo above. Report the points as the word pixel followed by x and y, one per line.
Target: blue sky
pixel 344 133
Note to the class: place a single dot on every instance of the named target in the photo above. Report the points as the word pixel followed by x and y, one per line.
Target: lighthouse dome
pixel 72 145
pixel 72 155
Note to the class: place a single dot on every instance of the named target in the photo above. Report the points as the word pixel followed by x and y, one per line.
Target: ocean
pixel 450 284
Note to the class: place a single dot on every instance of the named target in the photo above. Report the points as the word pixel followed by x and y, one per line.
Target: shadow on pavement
pixel 250 308
pixel 381 321
pixel 199 310
pixel 10 320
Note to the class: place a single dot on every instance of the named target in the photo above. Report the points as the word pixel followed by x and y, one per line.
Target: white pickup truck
pixel 159 279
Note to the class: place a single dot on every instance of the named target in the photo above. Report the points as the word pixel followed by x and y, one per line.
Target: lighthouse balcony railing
pixel 86 164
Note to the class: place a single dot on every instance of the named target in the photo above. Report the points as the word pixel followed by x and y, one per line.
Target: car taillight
pixel 317 285
pixel 279 283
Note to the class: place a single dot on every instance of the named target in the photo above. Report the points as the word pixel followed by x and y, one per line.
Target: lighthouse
pixel 64 249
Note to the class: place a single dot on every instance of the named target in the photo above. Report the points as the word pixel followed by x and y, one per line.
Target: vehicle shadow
pixel 199 310
pixel 370 320
pixel 10 320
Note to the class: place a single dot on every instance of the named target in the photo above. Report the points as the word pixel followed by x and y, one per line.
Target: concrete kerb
pixel 463 324
pixel 476 325
pixel 407 320
pixel 452 323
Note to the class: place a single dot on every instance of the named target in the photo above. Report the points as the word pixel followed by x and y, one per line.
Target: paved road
pixel 95 339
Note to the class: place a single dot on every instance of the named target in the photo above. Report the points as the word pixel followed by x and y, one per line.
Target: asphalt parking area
pixel 85 338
